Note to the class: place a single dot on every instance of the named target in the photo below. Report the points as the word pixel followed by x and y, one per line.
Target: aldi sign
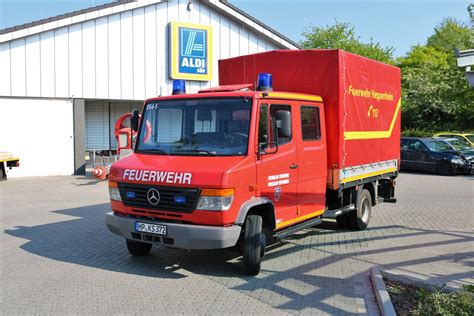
pixel 191 51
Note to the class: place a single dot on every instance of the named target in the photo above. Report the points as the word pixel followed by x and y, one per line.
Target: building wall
pixel 122 56
pixel 40 132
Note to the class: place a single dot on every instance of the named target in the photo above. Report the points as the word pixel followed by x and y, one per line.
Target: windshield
pixel 437 146
pixel 212 127
pixel 458 144
pixel 470 137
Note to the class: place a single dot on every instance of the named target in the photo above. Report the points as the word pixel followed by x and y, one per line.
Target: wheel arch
pixel 371 187
pixel 258 206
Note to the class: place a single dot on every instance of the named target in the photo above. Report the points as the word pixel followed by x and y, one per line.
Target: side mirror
pixel 134 120
pixel 267 148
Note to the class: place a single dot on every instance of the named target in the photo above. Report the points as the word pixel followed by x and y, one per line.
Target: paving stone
pixel 57 256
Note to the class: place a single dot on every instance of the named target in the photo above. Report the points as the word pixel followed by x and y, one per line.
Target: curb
pixel 383 299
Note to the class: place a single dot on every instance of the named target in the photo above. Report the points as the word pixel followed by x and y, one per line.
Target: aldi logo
pixel 191 51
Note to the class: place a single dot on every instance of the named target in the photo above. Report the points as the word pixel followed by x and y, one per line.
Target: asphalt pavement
pixel 57 256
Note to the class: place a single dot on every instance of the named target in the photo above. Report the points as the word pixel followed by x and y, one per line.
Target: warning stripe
pixel 357 135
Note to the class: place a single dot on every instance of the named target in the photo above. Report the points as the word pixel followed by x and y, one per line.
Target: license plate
pixel 150 228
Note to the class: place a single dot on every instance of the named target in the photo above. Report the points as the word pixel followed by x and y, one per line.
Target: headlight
pixel 458 161
pixel 114 192
pixel 215 199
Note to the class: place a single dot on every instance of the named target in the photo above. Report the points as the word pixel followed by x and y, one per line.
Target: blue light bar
pixel 179 87
pixel 265 82
pixel 131 194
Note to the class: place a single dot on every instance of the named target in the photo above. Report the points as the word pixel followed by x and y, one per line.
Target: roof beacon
pixel 179 87
pixel 264 82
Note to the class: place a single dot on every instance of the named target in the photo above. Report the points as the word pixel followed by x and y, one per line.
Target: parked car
pixel 468 137
pixel 432 155
pixel 462 147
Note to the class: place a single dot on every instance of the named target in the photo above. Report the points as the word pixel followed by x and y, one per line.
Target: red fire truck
pixel 253 160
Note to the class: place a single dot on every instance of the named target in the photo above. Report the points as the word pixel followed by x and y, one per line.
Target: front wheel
pixel 253 244
pixel 138 249
pixel 445 168
pixel 360 217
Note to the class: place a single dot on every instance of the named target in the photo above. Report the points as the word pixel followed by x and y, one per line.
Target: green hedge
pixel 411 132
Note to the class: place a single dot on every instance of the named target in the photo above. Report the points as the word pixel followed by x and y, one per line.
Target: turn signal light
pixel 217 192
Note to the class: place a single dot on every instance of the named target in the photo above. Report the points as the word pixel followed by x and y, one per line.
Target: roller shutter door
pixel 100 122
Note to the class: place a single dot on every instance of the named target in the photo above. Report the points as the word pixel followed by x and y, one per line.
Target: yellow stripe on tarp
pixel 299 219
pixel 375 134
pixel 368 175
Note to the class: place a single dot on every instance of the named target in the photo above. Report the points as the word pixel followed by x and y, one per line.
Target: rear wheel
pixel 445 168
pixel 139 249
pixel 360 217
pixel 253 242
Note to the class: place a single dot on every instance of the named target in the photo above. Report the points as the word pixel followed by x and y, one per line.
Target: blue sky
pixel 397 23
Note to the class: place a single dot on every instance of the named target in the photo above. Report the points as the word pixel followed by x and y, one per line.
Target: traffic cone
pixel 100 172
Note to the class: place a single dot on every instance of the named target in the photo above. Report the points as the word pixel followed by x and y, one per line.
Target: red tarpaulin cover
pixel 361 98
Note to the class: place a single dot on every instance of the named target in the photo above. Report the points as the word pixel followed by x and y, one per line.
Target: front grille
pixel 167 197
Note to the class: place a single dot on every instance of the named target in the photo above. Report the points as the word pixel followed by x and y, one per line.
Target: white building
pixel 65 80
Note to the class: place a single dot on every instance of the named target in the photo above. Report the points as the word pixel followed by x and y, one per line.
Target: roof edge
pixel 63 16
pixel 257 21
pixel 222 6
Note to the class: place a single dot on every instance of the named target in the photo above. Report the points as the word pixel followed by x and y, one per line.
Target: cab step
pixel 295 228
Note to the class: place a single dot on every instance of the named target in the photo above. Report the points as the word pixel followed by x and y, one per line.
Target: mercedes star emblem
pixel 153 196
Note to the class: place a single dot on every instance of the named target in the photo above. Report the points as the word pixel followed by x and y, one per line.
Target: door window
pixel 280 115
pixel 263 125
pixel 310 123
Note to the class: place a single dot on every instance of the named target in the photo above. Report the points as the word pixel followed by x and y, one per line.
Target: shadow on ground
pixel 85 240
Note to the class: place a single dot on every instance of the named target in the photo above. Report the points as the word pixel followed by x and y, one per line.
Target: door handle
pixel 293 166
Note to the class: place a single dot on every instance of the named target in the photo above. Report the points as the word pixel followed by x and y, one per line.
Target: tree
pixel 436 95
pixel 449 35
pixel 342 36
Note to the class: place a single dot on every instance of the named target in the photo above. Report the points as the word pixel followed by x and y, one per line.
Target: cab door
pixel 312 161
pixel 277 168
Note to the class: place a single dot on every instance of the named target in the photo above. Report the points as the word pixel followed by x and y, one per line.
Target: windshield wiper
pixel 154 151
pixel 210 153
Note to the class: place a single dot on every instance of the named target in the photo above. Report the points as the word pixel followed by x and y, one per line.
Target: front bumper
pixel 178 235
pixel 464 168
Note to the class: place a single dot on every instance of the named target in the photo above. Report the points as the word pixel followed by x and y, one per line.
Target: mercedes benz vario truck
pixel 287 138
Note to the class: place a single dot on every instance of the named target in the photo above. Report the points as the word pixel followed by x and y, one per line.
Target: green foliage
pixel 342 36
pixel 438 303
pixel 436 95
pixel 411 132
pixel 449 35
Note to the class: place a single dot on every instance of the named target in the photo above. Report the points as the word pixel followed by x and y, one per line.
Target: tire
pixel 253 244
pixel 263 244
pixel 343 221
pixel 360 217
pixel 138 249
pixel 2 172
pixel 445 168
